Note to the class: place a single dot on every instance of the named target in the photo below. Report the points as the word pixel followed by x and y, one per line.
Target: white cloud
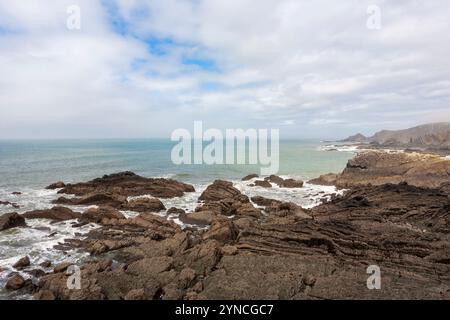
pixel 290 62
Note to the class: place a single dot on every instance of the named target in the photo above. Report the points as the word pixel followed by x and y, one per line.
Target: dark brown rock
pixel 56 213
pixel 291 183
pixel 46 264
pixel 250 177
pixel 11 220
pixel 22 263
pixel 145 205
pixel 62 267
pixel 97 215
pixel 274 179
pixel 44 295
pixel 261 201
pixel 130 184
pixel 377 168
pixel 15 282
pixel 56 185
pixel 219 190
pixel 200 218
pixel 262 183
pixel 176 211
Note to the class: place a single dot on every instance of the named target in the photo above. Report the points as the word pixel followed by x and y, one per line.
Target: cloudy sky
pixel 142 68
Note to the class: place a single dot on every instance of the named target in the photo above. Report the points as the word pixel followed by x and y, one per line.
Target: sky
pixel 143 68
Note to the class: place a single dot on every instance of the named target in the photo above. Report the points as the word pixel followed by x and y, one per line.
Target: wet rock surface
pixel 283 252
pixel 11 220
pixel 258 248
pixel 57 213
pixel 129 184
pixel 378 167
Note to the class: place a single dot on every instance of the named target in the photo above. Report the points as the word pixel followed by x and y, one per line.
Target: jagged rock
pixel 219 190
pixel 11 220
pixel 291 183
pixel 328 179
pixel 15 282
pixel 22 263
pixel 56 185
pixel 222 230
pixel 98 214
pixel 247 209
pixel 200 218
pixel 274 179
pixel 250 177
pixel 62 267
pixel 319 253
pixel 145 205
pixel 377 168
pixel 262 183
pixel 56 213
pixel 261 201
pixel 130 184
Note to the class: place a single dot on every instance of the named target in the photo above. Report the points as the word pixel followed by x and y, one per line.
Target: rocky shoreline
pixel 394 213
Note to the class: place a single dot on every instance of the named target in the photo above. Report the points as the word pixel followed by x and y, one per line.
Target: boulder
pixel 56 213
pixel 56 185
pixel 15 282
pixel 219 190
pixel 98 214
pixel 62 267
pixel 145 205
pixel 22 263
pixel 200 218
pixel 291 183
pixel 176 211
pixel 261 201
pixel 274 179
pixel 11 220
pixel 129 184
pixel 262 183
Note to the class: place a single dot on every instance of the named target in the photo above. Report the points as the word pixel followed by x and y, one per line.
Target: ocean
pixel 29 166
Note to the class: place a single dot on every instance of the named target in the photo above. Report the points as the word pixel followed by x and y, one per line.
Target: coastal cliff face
pixel 434 135
pixel 238 247
pixel 379 167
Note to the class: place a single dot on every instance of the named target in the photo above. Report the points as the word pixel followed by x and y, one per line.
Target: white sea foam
pixel 340 148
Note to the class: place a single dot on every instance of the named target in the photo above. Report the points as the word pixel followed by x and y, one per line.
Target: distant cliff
pixel 432 135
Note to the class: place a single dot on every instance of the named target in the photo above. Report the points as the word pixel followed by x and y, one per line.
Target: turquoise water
pixel 36 164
